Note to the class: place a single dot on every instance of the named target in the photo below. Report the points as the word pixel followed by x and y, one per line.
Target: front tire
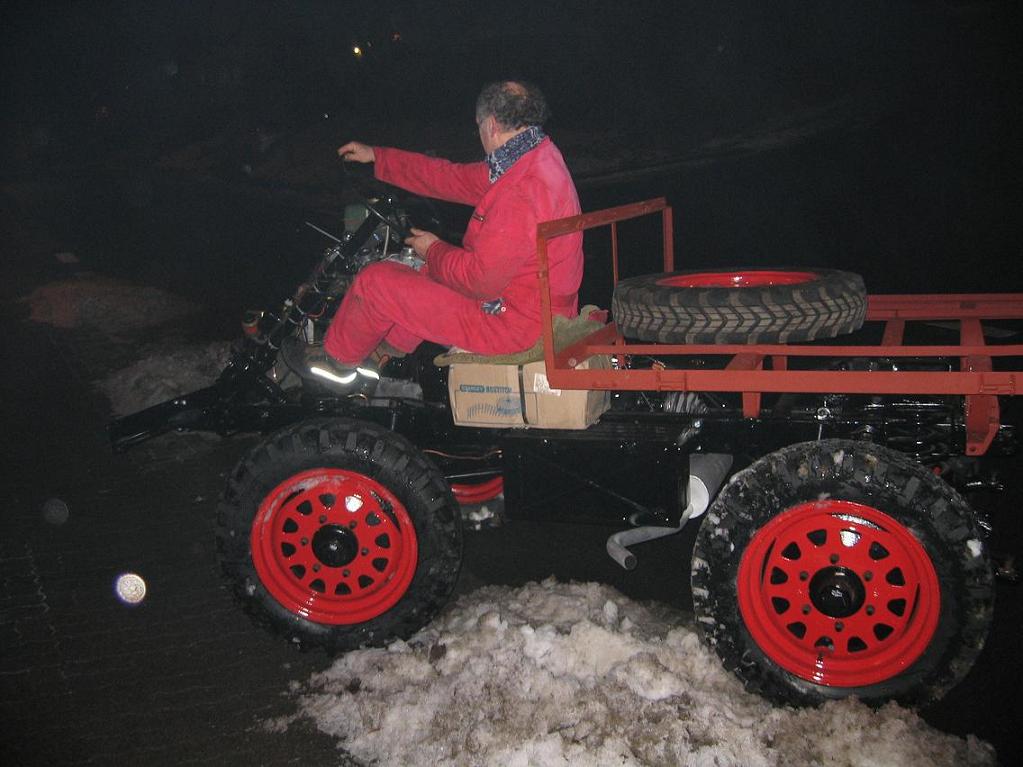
pixel 339 534
pixel 836 568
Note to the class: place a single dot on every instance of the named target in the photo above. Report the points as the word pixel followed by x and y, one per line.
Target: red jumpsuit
pixel 443 302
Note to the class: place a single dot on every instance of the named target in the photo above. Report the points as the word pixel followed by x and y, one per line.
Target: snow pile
pixel 119 314
pixel 165 373
pixel 113 307
pixel 576 674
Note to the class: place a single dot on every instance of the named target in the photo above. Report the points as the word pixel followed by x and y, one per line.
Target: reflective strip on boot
pixel 344 380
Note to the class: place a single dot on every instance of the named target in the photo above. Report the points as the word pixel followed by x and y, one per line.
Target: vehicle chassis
pixel 936 403
pixel 893 391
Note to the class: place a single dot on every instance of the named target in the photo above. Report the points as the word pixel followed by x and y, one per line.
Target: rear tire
pixel 339 534
pixel 740 306
pixel 837 568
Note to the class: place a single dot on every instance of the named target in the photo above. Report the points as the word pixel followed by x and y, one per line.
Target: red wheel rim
pixel 334 546
pixel 838 593
pixel 757 278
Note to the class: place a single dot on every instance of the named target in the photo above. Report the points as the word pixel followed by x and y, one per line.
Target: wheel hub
pixel 837 592
pixel 335 546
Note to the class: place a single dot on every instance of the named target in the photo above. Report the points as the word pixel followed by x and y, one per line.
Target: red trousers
pixel 393 302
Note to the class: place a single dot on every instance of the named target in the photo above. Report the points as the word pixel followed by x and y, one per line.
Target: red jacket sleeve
pixel 501 247
pixel 455 182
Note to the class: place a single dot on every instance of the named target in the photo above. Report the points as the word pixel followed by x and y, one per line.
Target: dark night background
pixel 182 145
pixel 876 136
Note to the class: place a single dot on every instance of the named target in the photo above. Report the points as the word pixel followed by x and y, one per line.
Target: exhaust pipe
pixel 707 471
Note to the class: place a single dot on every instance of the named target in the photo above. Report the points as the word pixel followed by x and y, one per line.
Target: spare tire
pixel 738 306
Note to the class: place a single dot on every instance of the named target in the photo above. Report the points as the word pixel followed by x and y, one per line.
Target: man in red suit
pixel 484 296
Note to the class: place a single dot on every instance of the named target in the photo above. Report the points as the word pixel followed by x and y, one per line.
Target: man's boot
pixel 312 363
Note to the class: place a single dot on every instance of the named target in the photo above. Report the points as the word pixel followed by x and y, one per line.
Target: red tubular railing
pixel 746 371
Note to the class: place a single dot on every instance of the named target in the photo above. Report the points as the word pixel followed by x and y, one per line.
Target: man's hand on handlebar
pixel 356 151
pixel 420 241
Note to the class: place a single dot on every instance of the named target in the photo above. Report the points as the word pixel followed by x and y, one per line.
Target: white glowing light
pixel 353 503
pixel 356 50
pixel 131 589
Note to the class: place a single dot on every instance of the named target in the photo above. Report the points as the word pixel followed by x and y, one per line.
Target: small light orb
pixel 130 588
pixel 55 511
pixel 356 51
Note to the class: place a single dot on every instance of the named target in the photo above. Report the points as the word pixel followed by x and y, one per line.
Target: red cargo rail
pixel 755 369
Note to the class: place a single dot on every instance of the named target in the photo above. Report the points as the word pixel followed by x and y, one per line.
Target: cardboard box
pixel 520 396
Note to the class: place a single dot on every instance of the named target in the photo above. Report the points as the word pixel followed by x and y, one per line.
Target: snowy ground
pixel 144 322
pixel 547 674
pixel 576 674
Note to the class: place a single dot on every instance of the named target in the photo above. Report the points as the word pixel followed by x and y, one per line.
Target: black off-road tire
pixel 367 518
pixel 811 304
pixel 747 577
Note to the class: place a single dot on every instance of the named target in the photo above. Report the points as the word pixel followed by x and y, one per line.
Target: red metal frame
pixel 754 369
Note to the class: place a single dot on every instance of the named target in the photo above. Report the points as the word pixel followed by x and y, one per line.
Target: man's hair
pixel 513 103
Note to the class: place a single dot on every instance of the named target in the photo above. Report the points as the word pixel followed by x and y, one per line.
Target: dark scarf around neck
pixel 506 155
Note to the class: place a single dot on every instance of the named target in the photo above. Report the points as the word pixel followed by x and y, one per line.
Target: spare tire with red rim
pixel 741 305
